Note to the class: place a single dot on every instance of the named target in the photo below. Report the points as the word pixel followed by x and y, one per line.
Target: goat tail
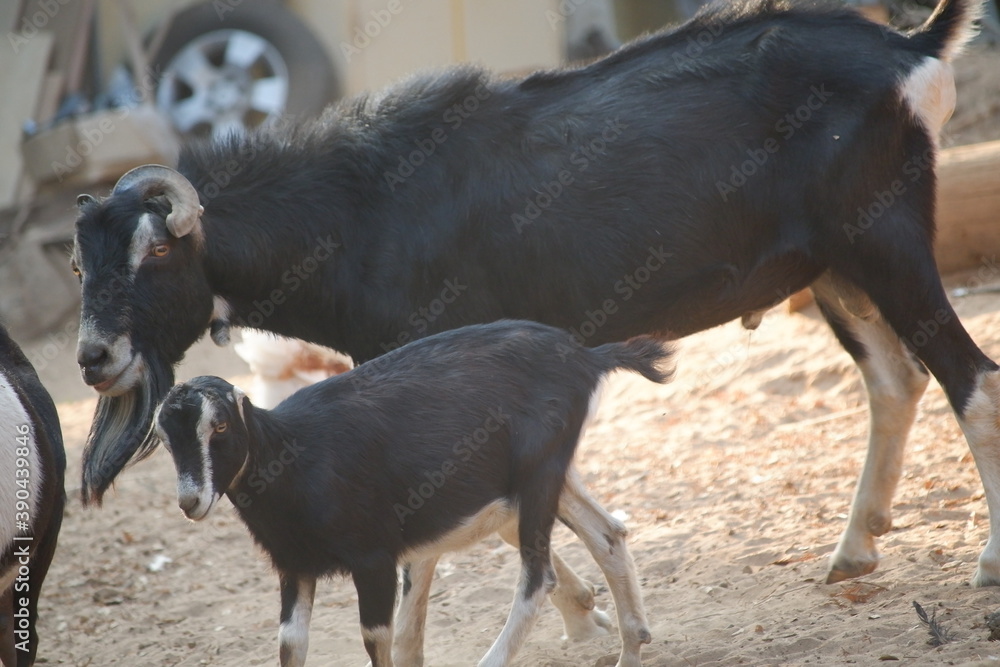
pixel 645 355
pixel 949 28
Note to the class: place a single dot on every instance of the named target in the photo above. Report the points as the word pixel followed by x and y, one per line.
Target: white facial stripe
pixel 142 239
pixel 88 330
pixel 158 430
pixel 205 429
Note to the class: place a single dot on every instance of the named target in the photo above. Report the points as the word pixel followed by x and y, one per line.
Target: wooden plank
pixel 25 74
pixel 64 24
pixel 968 206
pixel 51 95
pixel 133 39
pixel 10 16
pixel 78 53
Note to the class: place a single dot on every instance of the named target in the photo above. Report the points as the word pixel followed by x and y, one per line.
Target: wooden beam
pixel 24 74
pixel 968 206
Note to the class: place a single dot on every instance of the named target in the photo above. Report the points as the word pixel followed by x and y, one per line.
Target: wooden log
pixel 968 207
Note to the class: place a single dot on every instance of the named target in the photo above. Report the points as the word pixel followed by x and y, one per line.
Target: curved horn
pixel 238 396
pixel 154 179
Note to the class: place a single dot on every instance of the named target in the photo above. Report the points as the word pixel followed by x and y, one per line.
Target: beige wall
pixel 148 16
pixel 504 35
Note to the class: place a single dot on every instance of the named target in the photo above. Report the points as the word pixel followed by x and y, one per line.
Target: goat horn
pixel 238 396
pixel 154 179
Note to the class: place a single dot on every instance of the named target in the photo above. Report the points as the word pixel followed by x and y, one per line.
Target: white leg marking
pixel 981 425
pixel 572 596
pixel 522 616
pixel 605 538
pixel 293 635
pixel 929 92
pixel 411 618
pixel 894 384
pixel 143 238
pixel 378 641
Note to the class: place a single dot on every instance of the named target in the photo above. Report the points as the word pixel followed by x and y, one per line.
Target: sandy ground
pixel 735 481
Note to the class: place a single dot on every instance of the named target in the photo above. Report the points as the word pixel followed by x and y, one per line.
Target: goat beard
pixel 122 431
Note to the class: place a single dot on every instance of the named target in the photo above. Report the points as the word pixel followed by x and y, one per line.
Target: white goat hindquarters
pixel 281 366
pixel 929 93
pixel 20 475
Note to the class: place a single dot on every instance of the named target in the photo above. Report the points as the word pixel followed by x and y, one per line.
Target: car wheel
pixel 219 74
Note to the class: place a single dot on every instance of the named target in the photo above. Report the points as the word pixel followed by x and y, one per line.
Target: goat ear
pixel 239 396
pixel 83 200
pixel 182 226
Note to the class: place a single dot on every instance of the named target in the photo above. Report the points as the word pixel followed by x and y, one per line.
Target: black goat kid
pixel 32 468
pixel 489 415
pixel 688 179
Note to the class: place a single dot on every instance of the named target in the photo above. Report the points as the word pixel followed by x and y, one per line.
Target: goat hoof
pixel 982 578
pixel 842 570
pixel 595 623
pixel 629 660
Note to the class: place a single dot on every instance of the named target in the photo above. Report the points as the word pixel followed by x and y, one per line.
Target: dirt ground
pixel 735 481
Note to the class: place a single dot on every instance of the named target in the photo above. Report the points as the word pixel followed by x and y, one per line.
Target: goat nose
pixel 187 503
pixel 91 355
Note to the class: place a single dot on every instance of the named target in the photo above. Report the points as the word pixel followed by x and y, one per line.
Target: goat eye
pixel 221 428
pixel 160 250
pixel 76 270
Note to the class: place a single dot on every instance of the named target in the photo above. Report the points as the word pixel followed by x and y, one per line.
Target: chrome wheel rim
pixel 223 82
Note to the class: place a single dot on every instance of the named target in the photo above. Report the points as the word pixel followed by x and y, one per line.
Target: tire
pixel 247 67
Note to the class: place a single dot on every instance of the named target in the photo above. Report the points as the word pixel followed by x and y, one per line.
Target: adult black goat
pixel 487 416
pixel 32 468
pixel 690 178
